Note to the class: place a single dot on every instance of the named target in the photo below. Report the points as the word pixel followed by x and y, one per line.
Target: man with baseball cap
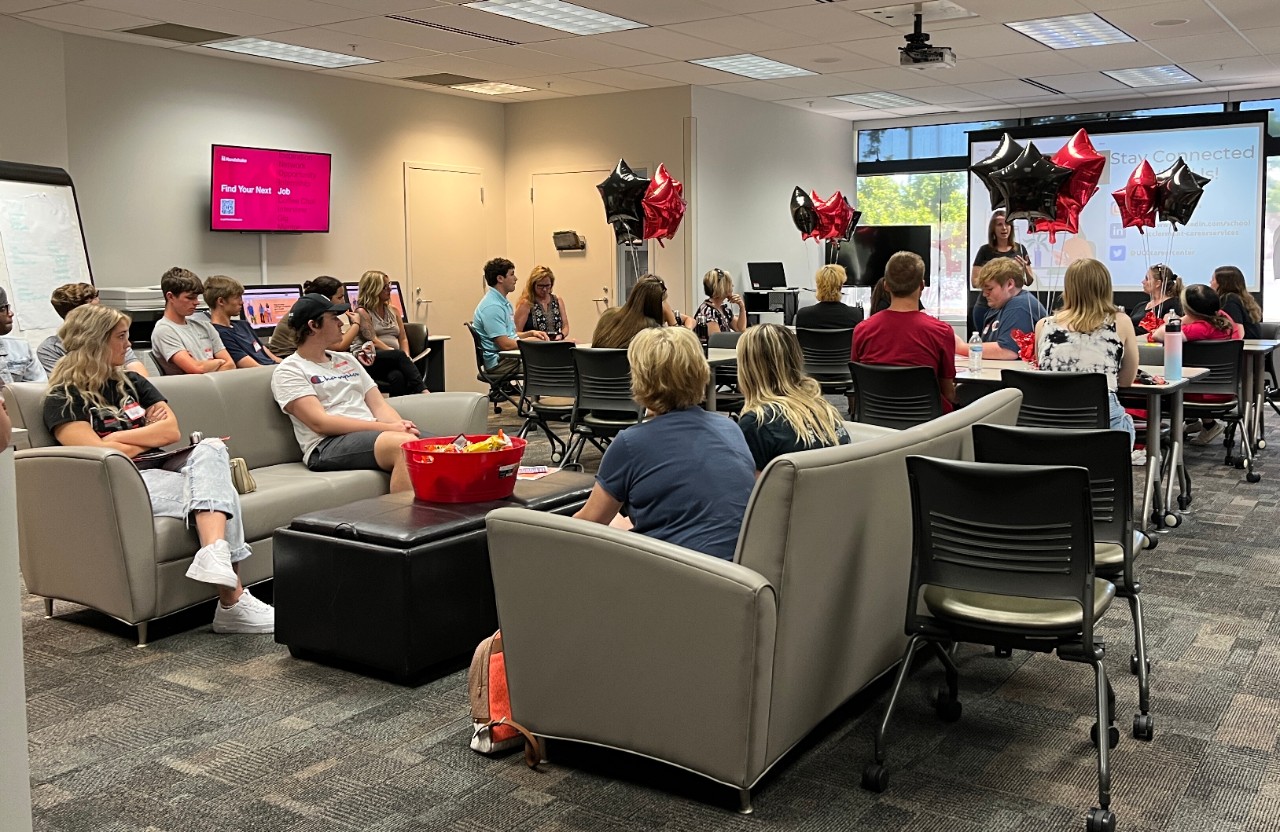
pixel 340 419
pixel 17 362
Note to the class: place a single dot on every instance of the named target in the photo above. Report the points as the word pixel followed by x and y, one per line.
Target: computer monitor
pixel 266 306
pixel 865 256
pixel 766 276
pixel 397 299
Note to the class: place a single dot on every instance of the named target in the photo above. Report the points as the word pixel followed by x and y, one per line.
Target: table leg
pixel 1171 518
pixel 1259 396
pixel 1153 457
pixel 710 403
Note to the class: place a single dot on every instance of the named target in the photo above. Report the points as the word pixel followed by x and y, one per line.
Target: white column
pixel 15 769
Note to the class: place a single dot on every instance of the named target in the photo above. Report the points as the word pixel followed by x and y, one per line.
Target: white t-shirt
pixel 197 337
pixel 340 384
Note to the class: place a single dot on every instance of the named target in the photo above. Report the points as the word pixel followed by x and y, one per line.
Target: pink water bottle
pixel 1173 350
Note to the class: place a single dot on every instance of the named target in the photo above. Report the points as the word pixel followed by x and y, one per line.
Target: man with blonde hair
pixel 1009 309
pixel 645 468
pixel 830 312
pixel 904 336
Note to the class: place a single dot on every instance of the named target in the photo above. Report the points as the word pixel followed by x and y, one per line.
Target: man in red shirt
pixel 904 336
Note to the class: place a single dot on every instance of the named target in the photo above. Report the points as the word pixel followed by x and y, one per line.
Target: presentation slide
pixel 267 306
pixel 252 189
pixel 1226 228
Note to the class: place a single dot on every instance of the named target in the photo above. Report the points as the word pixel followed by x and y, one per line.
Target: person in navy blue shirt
pixel 225 298
pixel 645 472
pixel 1009 309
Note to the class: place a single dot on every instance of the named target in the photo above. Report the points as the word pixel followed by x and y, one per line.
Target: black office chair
pixel 895 397
pixel 419 352
pixel 1224 361
pixel 1070 401
pixel 1270 330
pixel 1105 453
pixel 728 397
pixel 826 357
pixel 548 374
pixel 602 406
pixel 1023 579
pixel 502 386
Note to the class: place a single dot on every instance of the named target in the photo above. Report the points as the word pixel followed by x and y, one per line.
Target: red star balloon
pixel 663 205
pixel 1086 166
pixel 1137 199
pixel 836 217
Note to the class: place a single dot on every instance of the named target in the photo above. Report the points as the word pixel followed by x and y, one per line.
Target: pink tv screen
pixel 256 189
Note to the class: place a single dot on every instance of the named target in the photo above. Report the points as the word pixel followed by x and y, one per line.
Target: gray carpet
pixel 203 732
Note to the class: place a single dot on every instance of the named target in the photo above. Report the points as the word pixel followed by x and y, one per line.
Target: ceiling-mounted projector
pixel 920 54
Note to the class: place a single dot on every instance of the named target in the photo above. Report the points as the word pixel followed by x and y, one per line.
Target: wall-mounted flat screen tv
pixel 865 256
pixel 255 189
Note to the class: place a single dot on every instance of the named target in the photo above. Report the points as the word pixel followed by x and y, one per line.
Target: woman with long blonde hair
pixel 783 409
pixel 94 402
pixel 1087 335
pixel 382 344
pixel 540 308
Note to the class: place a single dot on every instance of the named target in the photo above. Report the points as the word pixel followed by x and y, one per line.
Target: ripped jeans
pixel 202 484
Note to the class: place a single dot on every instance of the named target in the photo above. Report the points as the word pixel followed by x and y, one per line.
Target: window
pixel 1271 241
pixel 1273 120
pixel 938 201
pixel 1125 114
pixel 925 142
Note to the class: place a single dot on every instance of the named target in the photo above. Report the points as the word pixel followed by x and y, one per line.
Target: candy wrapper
pixel 461 445
pixel 1026 342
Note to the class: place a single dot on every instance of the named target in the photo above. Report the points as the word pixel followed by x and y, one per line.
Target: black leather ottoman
pixel 393 587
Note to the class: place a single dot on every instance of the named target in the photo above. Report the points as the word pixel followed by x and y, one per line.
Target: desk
pixel 1254 388
pixel 1157 508
pixel 434 376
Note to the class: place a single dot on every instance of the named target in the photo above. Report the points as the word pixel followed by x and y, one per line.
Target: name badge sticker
pixel 134 411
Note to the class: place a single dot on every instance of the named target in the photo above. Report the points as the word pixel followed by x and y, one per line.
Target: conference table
pixel 1157 508
pixel 1254 387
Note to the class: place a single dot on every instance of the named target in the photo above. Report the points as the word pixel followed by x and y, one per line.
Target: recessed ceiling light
pixel 289 52
pixel 752 66
pixel 1170 21
pixel 491 88
pixel 1152 76
pixel 879 100
pixel 555 14
pixel 827 60
pixel 1071 31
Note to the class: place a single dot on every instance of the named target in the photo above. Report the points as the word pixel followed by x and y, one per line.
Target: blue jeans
pixel 1119 419
pixel 203 484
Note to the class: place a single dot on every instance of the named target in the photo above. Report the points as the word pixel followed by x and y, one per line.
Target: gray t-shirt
pixel 51 349
pixel 197 336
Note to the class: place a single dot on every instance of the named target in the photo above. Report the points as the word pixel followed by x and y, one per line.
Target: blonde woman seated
pixel 715 314
pixel 381 338
pixel 1088 336
pixel 830 312
pixel 783 409
pixel 646 307
pixel 645 469
pixel 93 402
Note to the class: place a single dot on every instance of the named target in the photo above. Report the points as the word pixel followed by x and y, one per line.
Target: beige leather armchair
pixel 84 520
pixel 623 641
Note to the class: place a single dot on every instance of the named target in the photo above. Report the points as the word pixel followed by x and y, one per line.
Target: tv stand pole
pixel 262 259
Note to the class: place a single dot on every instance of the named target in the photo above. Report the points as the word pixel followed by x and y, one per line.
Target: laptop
pixel 765 276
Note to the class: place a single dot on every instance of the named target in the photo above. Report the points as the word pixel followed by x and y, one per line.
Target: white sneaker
pixel 212 565
pixel 1139 458
pixel 247 615
pixel 1207 435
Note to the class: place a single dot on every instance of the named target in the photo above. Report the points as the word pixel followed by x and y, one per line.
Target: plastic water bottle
pixel 1173 350
pixel 975 353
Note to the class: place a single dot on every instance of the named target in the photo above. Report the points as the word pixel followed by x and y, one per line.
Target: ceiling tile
pixel 306 12
pixel 378 7
pixel 15 6
pixel 1266 40
pixel 985 41
pixel 819 85
pixel 625 79
pixel 968 71
pixel 1022 66
pixel 88 17
pixel 1247 14
pixel 410 34
pixel 566 85
pixel 823 22
pixel 890 79
pixel 205 52
pixel 531 60
pixel 687 73
pixel 1081 82
pixel 485 23
pixel 1114 56
pixel 657 12
pixel 472 67
pixel 1196 47
pixel 751 6
pixel 1228 69
pixel 944 94
pixel 333 41
pixel 194 14
pixel 1137 21
pixel 761 90
pixel 600 52
pixel 385 69
pixel 99 33
pixel 659 41
pixel 1010 91
pixel 741 33
pixel 825 58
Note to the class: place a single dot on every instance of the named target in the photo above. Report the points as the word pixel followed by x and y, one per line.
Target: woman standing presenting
pixel 1000 243
pixel 540 309
pixel 93 402
pixel 1164 288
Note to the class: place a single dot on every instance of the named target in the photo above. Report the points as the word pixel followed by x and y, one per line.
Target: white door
pixel 584 279
pixel 443 222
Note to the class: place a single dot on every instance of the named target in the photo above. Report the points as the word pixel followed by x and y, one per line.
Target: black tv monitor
pixel 265 306
pixel 867 253
pixel 397 299
pixel 766 276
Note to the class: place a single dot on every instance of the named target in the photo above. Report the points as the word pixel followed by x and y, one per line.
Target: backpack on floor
pixel 493 729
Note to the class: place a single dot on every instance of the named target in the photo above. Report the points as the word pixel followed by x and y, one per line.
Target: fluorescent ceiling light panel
pixel 1071 31
pixel 753 66
pixel 879 100
pixel 1152 76
pixel 491 88
pixel 555 14
pixel 288 52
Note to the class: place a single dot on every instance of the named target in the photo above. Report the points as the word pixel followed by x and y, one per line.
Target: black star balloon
pixel 1030 185
pixel 1005 154
pixel 623 194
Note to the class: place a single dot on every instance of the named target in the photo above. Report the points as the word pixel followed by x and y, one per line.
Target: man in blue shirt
pixel 1010 308
pixel 17 362
pixel 225 299
pixel 495 320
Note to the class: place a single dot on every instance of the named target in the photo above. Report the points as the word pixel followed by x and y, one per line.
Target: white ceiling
pixel 1229 44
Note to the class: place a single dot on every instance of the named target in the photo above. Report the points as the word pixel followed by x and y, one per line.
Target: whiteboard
pixel 41 248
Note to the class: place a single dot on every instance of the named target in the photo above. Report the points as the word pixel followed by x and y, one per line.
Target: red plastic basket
pixel 462 478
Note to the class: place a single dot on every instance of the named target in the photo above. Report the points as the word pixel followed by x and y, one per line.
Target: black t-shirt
pixel 1233 306
pixel 988 253
pixel 1163 308
pixel 126 412
pixel 775 437
pixel 827 314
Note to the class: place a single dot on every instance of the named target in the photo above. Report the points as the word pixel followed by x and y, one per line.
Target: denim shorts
pixel 345 452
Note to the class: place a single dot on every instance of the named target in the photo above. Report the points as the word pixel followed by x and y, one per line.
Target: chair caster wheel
pixel 1172 520
pixel 1144 727
pixel 1133 664
pixel 497 411
pixel 1253 476
pixel 948 709
pixel 1238 462
pixel 1184 501
pixel 875 778
pixel 1262 444
pixel 1100 820
pixel 557 457
pixel 1113 735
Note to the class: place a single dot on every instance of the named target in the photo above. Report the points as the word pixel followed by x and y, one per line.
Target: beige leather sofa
pixel 84 521
pixel 720 667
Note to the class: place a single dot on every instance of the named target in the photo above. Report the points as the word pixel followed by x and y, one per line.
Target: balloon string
pixel 1173 229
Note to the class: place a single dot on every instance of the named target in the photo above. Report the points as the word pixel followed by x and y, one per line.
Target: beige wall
pixel 572 134
pixel 15 772
pixel 33 127
pixel 750 155
pixel 141 121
